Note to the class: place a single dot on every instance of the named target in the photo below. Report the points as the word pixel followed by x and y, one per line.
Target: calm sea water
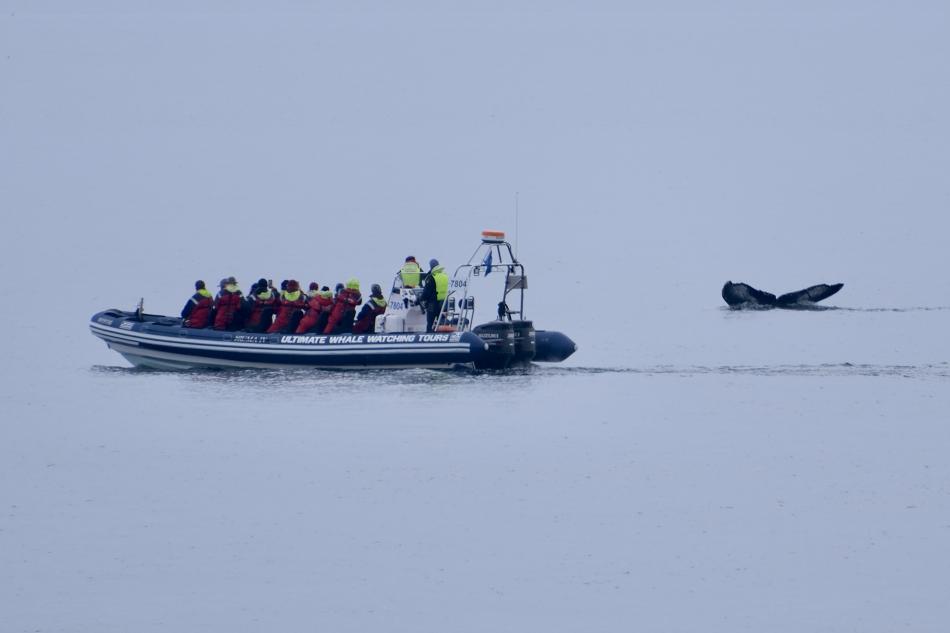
pixel 790 491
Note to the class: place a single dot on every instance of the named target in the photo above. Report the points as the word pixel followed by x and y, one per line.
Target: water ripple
pixel 336 380
pixel 829 308
pixel 937 370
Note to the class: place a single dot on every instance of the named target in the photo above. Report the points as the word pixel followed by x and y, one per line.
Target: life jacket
pixel 226 305
pixel 344 303
pixel 441 283
pixel 366 321
pixel 200 313
pixel 409 273
pixel 290 302
pixel 321 302
pixel 292 298
pixel 265 300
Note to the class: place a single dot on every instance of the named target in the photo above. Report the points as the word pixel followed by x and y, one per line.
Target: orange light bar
pixel 493 236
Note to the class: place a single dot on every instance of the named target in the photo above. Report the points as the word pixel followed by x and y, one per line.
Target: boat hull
pixel 161 342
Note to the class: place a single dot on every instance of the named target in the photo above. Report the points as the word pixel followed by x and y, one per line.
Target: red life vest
pixel 319 304
pixel 290 302
pixel 200 314
pixel 345 302
pixel 261 303
pixel 367 319
pixel 225 306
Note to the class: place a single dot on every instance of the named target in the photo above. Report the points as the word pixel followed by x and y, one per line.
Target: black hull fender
pixel 553 347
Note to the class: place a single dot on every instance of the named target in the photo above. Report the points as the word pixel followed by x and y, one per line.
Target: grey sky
pixel 664 146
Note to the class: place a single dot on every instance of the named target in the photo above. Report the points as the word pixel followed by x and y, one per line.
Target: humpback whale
pixel 742 295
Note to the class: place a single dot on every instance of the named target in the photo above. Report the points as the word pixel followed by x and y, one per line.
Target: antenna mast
pixel 516 225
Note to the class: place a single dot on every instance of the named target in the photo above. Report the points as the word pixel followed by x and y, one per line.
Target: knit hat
pixel 433 263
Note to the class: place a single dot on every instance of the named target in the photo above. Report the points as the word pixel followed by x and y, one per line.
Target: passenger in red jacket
pixel 366 321
pixel 344 309
pixel 318 310
pixel 197 312
pixel 227 305
pixel 263 303
pixel 292 302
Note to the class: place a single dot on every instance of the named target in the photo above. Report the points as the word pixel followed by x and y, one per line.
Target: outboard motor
pixel 525 344
pixel 500 337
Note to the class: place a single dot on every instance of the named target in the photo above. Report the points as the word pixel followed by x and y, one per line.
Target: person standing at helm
pixel 227 304
pixel 197 312
pixel 410 273
pixel 375 306
pixel 434 292
pixel 344 308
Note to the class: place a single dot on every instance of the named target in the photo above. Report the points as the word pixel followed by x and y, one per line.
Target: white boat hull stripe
pixel 137 356
pixel 130 337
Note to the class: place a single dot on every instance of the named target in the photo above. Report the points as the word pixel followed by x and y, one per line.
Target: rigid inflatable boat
pixel 400 339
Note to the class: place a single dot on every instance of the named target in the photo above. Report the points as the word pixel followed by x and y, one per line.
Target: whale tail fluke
pixel 743 295
pixel 810 295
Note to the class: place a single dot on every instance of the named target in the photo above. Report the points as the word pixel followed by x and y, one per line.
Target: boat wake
pixel 276 377
pixel 819 308
pixel 911 309
pixel 927 371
